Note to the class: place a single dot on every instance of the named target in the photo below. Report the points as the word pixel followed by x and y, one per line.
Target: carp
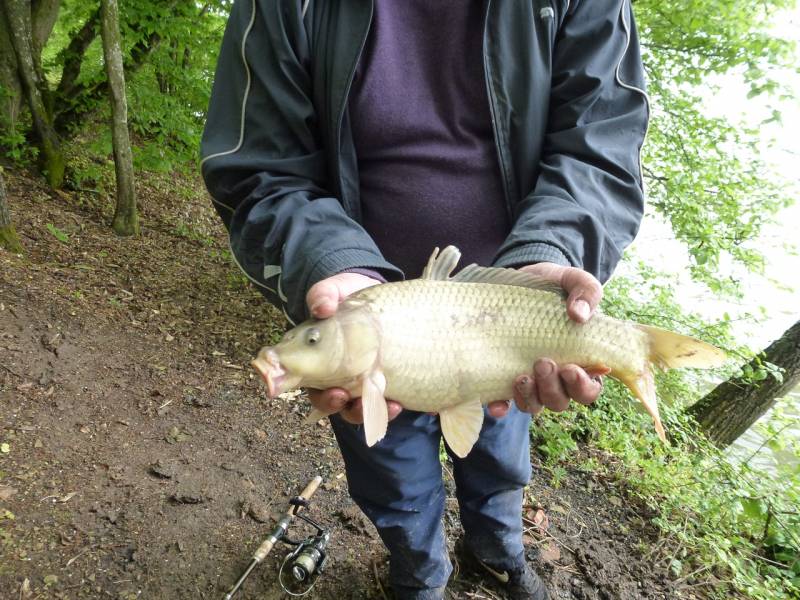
pixel 449 344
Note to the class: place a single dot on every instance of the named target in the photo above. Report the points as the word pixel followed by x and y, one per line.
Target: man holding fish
pixel 345 140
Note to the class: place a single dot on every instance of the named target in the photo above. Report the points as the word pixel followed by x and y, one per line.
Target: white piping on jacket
pixel 274 269
pixel 238 145
pixel 633 88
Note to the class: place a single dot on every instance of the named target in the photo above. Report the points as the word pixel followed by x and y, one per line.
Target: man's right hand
pixel 323 299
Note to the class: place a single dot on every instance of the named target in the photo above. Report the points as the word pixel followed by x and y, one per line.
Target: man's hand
pixel 323 299
pixel 551 385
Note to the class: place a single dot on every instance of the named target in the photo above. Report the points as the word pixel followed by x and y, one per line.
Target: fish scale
pixel 470 340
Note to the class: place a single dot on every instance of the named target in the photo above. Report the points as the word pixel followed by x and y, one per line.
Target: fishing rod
pixel 307 560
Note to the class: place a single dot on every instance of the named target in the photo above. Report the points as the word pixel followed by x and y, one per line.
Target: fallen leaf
pixel 25 591
pixel 538 519
pixel 176 435
pixel 68 497
pixel 6 492
pixel 550 553
pixel 5 448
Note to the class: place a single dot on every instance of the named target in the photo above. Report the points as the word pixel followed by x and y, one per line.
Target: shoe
pixel 520 583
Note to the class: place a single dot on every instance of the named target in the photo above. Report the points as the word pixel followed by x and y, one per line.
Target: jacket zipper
pixel 493 112
pixel 345 99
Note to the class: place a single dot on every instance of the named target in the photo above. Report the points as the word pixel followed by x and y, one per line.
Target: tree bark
pixel 126 219
pixel 11 98
pixel 8 236
pixel 73 55
pixel 44 14
pixel 732 407
pixel 51 158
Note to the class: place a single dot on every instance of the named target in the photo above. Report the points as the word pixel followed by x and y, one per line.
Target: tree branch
pixel 73 55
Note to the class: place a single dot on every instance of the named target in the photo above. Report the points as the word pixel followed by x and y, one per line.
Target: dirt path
pixel 143 459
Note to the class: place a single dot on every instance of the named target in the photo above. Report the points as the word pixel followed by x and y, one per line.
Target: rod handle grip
pixel 311 488
pixel 308 491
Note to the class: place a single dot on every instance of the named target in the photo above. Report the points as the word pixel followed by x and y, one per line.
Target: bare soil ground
pixel 140 456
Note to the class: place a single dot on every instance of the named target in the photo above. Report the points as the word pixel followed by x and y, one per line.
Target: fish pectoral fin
pixel 314 416
pixel 461 426
pixel 376 414
pixel 597 370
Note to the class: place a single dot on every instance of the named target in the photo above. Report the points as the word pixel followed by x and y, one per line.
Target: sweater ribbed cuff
pixel 528 254
pixel 350 259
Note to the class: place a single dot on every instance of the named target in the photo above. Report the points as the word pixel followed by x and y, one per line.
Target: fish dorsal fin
pixel 502 276
pixel 376 413
pixel 441 264
pixel 461 425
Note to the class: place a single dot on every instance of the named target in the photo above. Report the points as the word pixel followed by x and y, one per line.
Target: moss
pixel 9 240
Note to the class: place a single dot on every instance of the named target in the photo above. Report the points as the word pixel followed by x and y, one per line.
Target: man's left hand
pixel 550 385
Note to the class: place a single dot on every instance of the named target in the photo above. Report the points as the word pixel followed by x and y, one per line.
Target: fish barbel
pixel 450 344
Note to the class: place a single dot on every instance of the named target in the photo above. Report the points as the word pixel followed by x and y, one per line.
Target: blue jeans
pixel 398 485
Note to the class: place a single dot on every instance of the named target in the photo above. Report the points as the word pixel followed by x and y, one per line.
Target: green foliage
pixel 705 174
pixel 57 233
pixel 724 526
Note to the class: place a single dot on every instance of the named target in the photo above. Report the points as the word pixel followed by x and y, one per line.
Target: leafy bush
pixel 725 527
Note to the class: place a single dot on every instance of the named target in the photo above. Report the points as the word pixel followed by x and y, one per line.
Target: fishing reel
pixel 308 559
pixel 309 556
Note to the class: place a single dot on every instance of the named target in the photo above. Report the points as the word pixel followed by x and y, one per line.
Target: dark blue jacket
pixel 565 85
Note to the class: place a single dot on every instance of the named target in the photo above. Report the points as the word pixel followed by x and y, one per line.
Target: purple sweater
pixel 422 130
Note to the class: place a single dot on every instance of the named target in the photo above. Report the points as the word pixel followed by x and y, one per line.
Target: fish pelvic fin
pixel 643 387
pixel 670 350
pixel 373 401
pixel 461 425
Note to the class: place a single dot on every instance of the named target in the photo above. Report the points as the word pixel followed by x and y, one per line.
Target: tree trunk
pixel 51 158
pixel 73 55
pixel 126 219
pixel 43 18
pixel 8 236
pixel 733 406
pixel 11 95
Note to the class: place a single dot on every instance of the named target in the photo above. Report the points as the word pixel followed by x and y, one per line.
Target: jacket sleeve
pixel 588 201
pixel 263 164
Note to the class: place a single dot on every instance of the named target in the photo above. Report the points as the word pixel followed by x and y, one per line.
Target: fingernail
pixel 318 304
pixel 569 376
pixel 543 368
pixel 582 309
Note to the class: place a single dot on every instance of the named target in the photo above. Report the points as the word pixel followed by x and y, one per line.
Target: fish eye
pixel 312 336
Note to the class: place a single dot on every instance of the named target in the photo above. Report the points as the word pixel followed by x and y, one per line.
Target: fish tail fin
pixel 669 350
pixel 643 387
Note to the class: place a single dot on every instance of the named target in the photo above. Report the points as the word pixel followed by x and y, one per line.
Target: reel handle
pixel 306 494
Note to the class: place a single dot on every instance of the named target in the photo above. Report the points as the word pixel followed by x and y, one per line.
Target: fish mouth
pixel 269 367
